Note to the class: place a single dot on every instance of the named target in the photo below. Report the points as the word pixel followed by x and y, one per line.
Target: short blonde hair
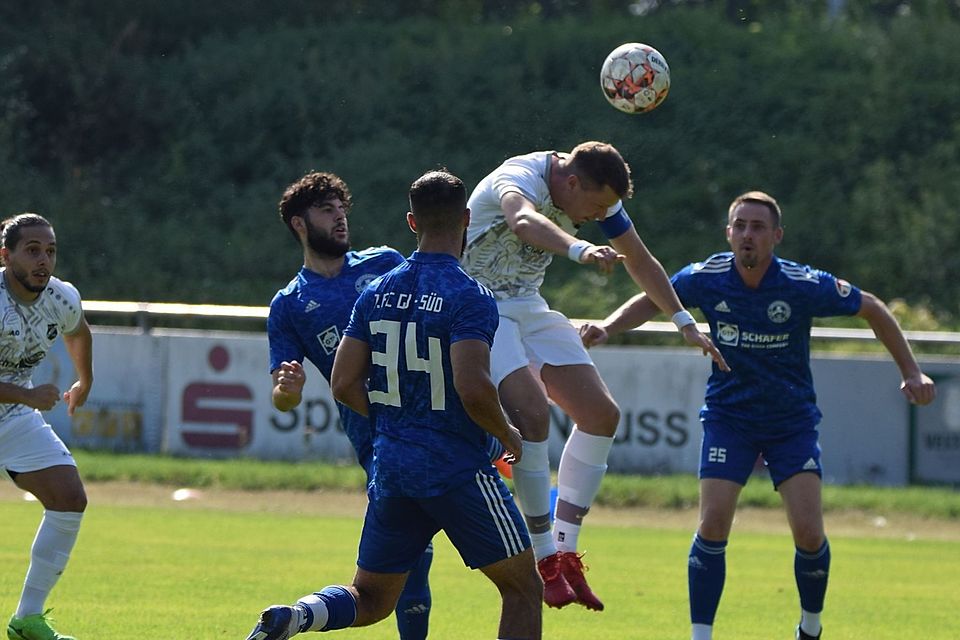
pixel 758 197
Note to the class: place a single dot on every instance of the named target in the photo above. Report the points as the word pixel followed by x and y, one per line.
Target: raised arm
pixel 470 360
pixel 649 275
pixel 632 313
pixel 348 379
pixel 536 229
pixel 916 385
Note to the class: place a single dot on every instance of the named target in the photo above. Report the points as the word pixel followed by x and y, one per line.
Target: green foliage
pixel 159 136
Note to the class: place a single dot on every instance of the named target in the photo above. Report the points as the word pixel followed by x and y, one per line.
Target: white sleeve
pixel 516 177
pixel 72 310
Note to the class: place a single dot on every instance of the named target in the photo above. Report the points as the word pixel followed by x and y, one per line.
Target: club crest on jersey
pixel 843 288
pixel 728 334
pixel 364 280
pixel 778 311
pixel 329 338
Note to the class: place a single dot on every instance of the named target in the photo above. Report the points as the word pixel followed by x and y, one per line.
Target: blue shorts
pixel 730 454
pixel 479 517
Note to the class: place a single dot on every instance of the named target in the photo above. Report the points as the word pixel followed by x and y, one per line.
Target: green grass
pixel 668 492
pixel 179 572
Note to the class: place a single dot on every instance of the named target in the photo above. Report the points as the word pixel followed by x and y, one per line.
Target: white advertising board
pixel 207 394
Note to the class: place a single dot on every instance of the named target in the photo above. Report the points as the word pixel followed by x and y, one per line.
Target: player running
pixel 416 358
pixel 307 319
pixel 36 308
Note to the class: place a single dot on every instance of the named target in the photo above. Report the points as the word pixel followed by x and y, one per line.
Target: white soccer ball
pixel 635 78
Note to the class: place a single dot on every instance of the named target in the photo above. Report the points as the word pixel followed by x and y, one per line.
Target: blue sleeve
pixel 358 327
pixel 476 317
pixel 835 297
pixel 614 226
pixel 685 287
pixel 282 337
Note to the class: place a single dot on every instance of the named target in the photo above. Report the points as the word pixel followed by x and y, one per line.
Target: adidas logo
pixel 722 307
pixel 810 464
pixel 417 608
pixel 695 563
pixel 313 304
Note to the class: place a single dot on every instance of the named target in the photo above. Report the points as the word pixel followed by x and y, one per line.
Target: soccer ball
pixel 635 78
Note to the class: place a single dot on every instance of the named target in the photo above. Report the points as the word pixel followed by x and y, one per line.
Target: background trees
pixel 159 136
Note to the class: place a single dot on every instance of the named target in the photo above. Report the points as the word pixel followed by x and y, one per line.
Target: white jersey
pixel 495 255
pixel 27 331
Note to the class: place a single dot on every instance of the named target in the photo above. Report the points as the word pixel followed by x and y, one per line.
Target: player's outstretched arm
pixel 647 271
pixel 288 381
pixel 470 360
pixel 80 349
pixel 916 386
pixel 348 380
pixel 632 313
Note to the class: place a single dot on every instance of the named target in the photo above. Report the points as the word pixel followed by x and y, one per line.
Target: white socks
pixel 48 558
pixel 810 623
pixel 531 482
pixel 582 467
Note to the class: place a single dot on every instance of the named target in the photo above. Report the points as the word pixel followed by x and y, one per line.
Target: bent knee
pixel 75 500
pixel 603 420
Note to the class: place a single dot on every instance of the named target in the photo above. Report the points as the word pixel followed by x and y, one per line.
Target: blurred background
pixel 159 136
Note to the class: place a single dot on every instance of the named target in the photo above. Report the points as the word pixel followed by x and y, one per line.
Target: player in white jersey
pixel 35 309
pixel 523 213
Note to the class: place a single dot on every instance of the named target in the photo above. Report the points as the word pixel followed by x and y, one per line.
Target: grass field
pixel 150 567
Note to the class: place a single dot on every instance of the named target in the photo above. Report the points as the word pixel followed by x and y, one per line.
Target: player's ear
pixel 298 223
pixel 777 235
pixel 411 221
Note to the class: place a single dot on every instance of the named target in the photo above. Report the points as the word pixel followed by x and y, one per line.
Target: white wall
pixel 208 394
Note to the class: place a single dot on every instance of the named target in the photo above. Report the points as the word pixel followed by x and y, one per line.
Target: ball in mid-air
pixel 635 78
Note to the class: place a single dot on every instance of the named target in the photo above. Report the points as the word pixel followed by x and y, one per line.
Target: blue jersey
pixel 308 316
pixel 764 335
pixel 426 444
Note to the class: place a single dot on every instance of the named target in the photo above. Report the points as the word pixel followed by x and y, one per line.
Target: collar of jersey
pixel 433 257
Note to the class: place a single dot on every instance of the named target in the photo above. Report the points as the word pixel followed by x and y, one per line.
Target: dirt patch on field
pixel 339 503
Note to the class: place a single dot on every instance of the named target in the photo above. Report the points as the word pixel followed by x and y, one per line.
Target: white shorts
pixel 28 443
pixel 531 334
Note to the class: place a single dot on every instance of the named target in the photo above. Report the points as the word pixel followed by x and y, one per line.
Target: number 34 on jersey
pixel 432 365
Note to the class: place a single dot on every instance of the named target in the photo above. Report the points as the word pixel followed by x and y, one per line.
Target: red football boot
pixel 572 568
pixel 556 591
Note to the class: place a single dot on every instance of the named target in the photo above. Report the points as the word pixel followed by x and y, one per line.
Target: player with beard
pixel 307 319
pixel 36 307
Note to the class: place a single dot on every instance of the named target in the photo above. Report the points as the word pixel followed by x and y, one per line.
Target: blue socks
pixel 706 572
pixel 413 607
pixel 812 571
pixel 328 609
